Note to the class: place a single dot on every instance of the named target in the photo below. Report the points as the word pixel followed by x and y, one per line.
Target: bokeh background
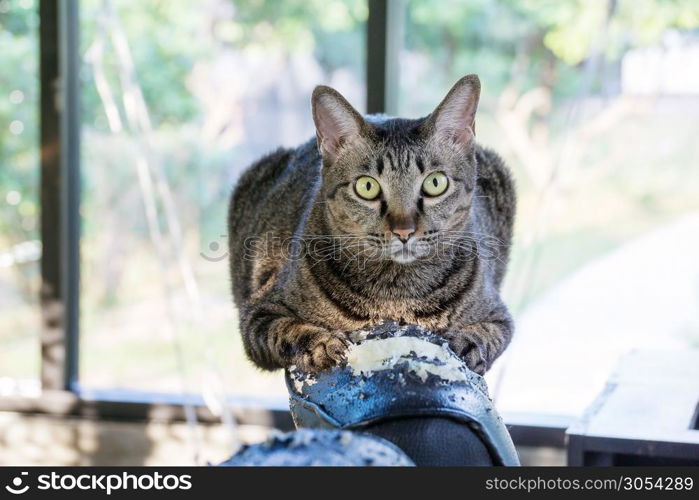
pixel 594 105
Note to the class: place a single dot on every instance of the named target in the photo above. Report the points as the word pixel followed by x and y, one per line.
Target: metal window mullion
pixel 70 137
pixel 60 191
pixel 385 29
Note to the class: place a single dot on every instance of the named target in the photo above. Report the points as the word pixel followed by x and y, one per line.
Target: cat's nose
pixel 404 234
pixel 402 225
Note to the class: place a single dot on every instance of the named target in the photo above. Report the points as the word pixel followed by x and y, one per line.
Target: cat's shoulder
pixel 492 169
pixel 264 168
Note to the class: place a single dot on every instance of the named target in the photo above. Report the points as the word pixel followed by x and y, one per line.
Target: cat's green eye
pixel 367 187
pixel 435 184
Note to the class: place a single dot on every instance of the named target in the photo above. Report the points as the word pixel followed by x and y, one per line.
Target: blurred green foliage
pixel 18 122
pixel 293 26
pixel 532 42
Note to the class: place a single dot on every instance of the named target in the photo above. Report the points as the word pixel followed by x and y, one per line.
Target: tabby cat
pixel 375 219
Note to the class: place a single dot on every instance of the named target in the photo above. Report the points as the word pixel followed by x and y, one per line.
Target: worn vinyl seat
pixel 438 417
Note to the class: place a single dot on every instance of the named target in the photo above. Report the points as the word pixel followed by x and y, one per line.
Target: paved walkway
pixel 643 295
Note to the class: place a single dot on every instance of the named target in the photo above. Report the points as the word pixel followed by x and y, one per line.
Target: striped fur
pixel 309 258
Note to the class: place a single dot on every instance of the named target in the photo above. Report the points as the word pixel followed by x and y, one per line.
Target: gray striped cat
pixel 376 219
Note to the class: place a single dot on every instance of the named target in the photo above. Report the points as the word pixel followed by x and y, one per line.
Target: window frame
pixel 59 117
pixel 59 111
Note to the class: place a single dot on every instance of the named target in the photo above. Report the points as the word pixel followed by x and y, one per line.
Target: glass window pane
pixel 178 100
pixel 593 105
pixel 20 249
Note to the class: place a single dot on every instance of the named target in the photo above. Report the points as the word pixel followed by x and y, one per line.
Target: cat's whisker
pixel 339 251
pixel 478 251
pixel 356 256
pixel 475 237
pixel 331 252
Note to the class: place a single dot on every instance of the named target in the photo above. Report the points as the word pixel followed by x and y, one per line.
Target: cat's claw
pixel 327 349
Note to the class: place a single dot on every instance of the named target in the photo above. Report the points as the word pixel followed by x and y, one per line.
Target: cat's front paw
pixel 466 349
pixel 472 354
pixel 323 350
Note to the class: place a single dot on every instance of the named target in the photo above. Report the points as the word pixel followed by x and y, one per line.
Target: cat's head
pixel 397 188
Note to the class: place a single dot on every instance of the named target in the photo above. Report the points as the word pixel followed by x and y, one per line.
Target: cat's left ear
pixel 338 124
pixel 454 120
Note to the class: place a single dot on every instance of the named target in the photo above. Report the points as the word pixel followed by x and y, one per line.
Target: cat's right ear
pixel 338 124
